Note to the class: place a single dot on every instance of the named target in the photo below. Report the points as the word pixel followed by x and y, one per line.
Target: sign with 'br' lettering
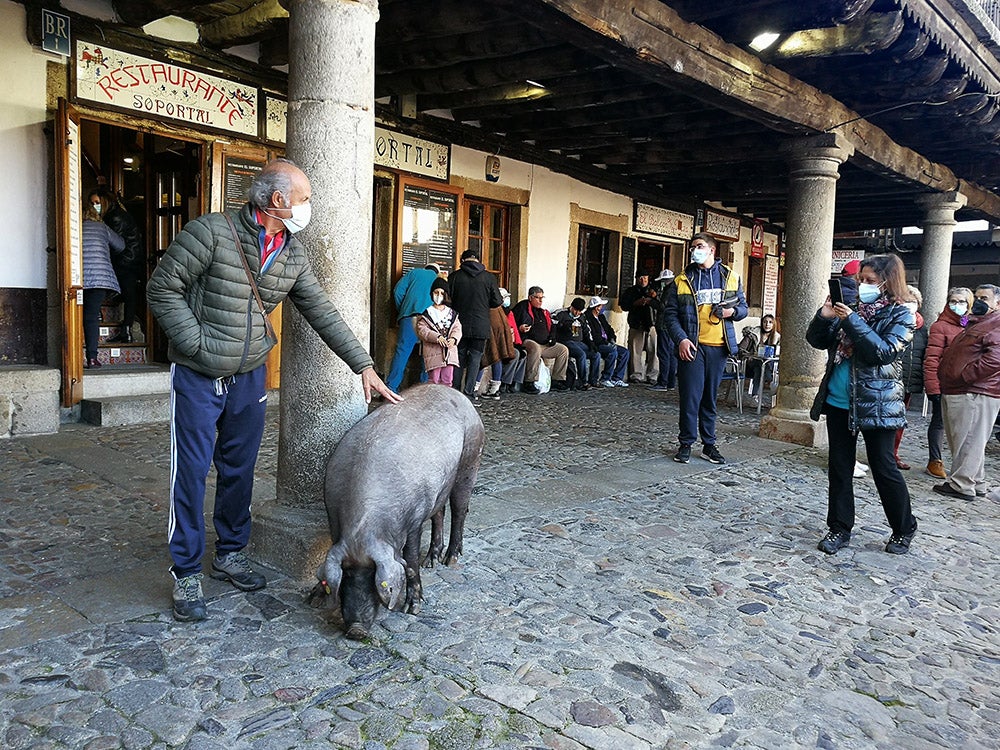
pixel 153 88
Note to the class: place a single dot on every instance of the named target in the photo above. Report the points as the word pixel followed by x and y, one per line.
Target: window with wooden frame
pixel 592 260
pixel 489 235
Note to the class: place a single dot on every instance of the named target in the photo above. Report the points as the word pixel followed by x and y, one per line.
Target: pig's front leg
pixel 411 556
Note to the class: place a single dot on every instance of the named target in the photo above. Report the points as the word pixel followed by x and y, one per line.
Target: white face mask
pixel 869 292
pixel 438 298
pixel 959 308
pixel 699 255
pixel 912 306
pixel 299 218
pixel 97 207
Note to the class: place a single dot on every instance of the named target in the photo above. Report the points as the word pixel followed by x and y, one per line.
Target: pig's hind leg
pixel 437 538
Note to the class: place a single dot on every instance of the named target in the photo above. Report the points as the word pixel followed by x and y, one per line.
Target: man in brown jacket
pixel 970 395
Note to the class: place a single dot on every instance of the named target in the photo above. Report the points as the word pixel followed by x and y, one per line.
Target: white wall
pixel 548 214
pixel 23 153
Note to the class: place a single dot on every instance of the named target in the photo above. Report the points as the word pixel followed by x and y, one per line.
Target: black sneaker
pixel 711 453
pixel 683 454
pixel 834 541
pixel 189 602
pixel 235 568
pixel 530 389
pixel 899 544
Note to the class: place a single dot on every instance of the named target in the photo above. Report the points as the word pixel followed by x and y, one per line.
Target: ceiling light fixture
pixel 763 40
pixel 534 83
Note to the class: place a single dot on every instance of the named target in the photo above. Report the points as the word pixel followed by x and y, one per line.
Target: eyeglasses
pixel 537 296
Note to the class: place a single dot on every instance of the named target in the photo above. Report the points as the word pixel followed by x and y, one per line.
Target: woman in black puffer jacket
pixel 862 391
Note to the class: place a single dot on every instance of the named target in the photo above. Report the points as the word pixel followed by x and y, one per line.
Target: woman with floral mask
pixel 862 392
pixel 949 324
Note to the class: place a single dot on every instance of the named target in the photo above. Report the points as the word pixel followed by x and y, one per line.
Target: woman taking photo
pixel 862 392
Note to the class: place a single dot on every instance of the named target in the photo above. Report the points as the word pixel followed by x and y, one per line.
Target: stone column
pixel 331 134
pixel 935 251
pixel 815 167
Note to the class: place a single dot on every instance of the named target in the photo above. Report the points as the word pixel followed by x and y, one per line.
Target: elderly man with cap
pixel 412 295
pixel 666 349
pixel 602 340
pixel 639 302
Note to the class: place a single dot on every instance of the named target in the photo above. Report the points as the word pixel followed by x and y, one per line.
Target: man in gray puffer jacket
pixel 201 295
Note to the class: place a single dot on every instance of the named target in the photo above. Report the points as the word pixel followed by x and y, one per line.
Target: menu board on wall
pixel 237 174
pixel 627 277
pixel 770 301
pixel 428 228
pixel 75 201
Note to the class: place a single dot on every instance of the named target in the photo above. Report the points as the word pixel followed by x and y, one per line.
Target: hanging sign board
pixel 757 249
pixel 722 226
pixel 770 301
pixel 842 257
pixel 152 88
pixel 237 174
pixel 661 221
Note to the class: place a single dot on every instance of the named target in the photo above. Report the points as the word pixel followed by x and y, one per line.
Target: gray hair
pixel 271 179
pixel 915 295
pixel 994 289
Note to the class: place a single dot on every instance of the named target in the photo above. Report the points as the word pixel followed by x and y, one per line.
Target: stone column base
pixel 799 431
pixel 291 540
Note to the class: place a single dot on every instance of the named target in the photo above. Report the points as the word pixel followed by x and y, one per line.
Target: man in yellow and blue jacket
pixel 700 309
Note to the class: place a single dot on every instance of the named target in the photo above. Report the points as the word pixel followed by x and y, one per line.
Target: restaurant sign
pixel 723 226
pixel 655 220
pixel 152 88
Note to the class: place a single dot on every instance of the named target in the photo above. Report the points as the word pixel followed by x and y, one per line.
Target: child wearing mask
pixel 439 332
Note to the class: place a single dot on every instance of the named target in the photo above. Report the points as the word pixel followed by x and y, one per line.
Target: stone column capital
pixel 825 147
pixel 941 206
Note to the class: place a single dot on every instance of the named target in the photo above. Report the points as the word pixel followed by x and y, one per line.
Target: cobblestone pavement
pixel 607 598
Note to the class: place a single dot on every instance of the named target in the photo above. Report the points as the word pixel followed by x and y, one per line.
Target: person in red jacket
pixel 950 323
pixel 970 391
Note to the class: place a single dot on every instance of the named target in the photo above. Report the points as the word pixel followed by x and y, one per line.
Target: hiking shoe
pixel 683 454
pixel 657 388
pixel 899 544
pixel 834 541
pixel 711 453
pixel 936 469
pixel 235 568
pixel 189 602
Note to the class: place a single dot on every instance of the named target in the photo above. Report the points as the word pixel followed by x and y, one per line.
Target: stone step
pixel 125 410
pixel 125 380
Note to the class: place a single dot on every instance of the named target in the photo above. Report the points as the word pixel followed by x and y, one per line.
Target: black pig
pixel 392 471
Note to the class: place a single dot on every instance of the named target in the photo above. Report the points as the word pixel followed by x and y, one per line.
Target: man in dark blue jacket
pixel 701 306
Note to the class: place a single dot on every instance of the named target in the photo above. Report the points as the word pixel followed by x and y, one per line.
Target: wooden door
pixel 69 244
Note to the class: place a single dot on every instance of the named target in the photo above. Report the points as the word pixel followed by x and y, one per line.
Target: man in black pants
pixel 474 291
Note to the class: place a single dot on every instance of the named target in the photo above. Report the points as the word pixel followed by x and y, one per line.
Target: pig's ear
pixel 390 581
pixel 331 571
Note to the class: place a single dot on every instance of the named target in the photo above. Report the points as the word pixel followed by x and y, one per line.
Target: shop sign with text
pixel 153 88
pixel 662 221
pixel 722 226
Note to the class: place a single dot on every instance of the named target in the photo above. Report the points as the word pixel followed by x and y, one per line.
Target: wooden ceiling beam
pixel 412 21
pixel 501 40
pixel 252 25
pixel 870 33
pixel 653 40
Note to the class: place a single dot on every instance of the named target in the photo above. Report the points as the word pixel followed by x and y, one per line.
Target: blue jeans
pixel 697 389
pixel 584 359
pixel 404 348
pixel 615 362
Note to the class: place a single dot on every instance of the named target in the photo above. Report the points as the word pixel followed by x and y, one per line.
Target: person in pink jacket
pixel 950 323
pixel 439 331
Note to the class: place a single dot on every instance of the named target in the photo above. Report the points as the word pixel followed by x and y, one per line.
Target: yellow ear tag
pixel 385 584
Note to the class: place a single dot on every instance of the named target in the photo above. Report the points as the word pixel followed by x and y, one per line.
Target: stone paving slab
pixel 607 598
